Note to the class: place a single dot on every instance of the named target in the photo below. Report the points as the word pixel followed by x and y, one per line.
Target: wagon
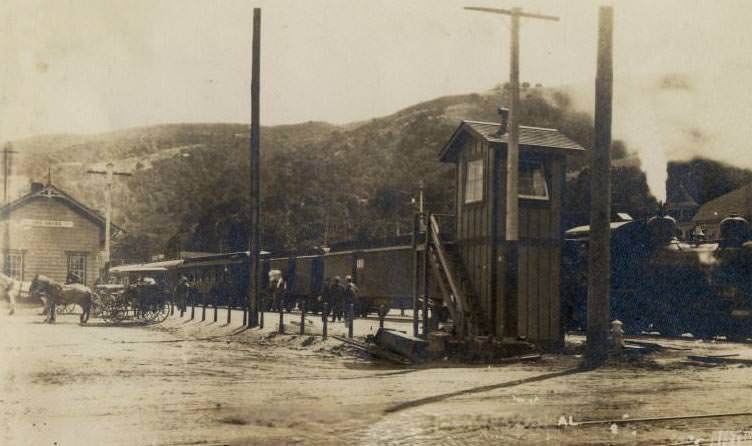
pixel 141 300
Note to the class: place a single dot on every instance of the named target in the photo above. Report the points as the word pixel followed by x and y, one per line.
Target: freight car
pixel 383 275
pixel 383 271
pixel 663 284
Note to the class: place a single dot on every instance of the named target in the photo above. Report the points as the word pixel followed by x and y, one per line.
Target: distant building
pixel 683 208
pixel 46 231
pixel 710 214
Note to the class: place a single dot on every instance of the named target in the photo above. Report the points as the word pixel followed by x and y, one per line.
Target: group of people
pixel 339 297
pixel 336 293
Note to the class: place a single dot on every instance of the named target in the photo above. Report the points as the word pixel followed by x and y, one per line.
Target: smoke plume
pixel 676 117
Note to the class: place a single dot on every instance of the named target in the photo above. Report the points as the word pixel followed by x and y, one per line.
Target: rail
pixel 445 264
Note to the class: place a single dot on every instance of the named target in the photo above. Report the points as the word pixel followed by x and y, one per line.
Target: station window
pixel 14 264
pixel 532 184
pixel 77 265
pixel 474 181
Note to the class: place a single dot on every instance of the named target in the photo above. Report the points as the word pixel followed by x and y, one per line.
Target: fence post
pixel 302 318
pixel 172 309
pixel 203 311
pixel 261 315
pixel 325 317
pixel 193 311
pixel 215 312
pixel 245 315
pixel 229 314
pixel 182 311
pixel 382 314
pixel 281 320
pixel 350 319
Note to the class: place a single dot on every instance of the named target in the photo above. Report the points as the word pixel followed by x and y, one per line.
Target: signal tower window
pixel 474 181
pixel 532 182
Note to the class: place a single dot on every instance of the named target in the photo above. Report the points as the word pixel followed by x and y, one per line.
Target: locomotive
pixel 659 283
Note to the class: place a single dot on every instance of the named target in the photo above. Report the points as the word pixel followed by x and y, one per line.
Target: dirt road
pixel 189 383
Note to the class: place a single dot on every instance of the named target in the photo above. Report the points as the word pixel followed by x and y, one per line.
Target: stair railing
pixel 444 261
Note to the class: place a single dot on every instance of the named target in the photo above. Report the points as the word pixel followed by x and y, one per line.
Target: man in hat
pixel 338 295
pixel 277 288
pixel 351 297
pixel 326 298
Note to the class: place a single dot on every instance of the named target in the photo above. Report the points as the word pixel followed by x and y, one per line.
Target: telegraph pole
pixel 599 271
pixel 255 185
pixel 7 155
pixel 7 158
pixel 109 174
pixel 513 156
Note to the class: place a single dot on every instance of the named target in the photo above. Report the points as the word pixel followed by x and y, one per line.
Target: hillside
pixel 320 182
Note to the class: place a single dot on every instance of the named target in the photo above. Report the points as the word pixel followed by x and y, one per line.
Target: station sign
pixel 36 223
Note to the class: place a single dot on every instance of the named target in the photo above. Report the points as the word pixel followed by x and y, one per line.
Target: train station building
pixel 47 231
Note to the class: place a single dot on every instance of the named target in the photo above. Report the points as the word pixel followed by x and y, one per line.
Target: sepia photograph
pixel 375 222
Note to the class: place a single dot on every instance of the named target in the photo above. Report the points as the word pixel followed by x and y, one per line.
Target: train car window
pixel 360 263
pixel 532 183
pixel 474 181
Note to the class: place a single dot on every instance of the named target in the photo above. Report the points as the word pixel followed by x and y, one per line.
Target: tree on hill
pixel 320 183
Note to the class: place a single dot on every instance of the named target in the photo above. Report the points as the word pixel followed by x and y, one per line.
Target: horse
pixel 53 293
pixel 10 289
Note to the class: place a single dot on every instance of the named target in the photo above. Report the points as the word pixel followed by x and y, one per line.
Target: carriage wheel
pixel 156 312
pixel 115 312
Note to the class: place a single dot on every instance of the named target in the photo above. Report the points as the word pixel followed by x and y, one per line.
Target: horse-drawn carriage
pixel 145 302
pixel 138 294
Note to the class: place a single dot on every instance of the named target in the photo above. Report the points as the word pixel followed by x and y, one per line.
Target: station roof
pixel 53 192
pixel 164 265
pixel 530 137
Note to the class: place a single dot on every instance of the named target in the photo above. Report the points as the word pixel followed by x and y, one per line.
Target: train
pixel 383 270
pixel 662 284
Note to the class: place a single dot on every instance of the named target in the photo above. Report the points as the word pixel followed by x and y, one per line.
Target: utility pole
pixel 512 219
pixel 109 174
pixel 599 271
pixel 255 185
pixel 7 158
pixel 417 228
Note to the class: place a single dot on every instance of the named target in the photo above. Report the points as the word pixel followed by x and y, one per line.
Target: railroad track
pixel 670 338
pixel 403 319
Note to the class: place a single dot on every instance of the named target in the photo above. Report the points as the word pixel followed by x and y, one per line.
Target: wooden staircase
pixel 452 279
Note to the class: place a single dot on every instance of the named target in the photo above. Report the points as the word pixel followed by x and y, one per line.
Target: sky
pixel 682 69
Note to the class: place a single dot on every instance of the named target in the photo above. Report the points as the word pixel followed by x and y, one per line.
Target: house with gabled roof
pixel 49 232
pixel 683 207
pixel 709 216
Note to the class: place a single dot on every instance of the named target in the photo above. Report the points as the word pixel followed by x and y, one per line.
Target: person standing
pixel 351 298
pixel 326 298
pixel 338 294
pixel 277 288
pixel 182 293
